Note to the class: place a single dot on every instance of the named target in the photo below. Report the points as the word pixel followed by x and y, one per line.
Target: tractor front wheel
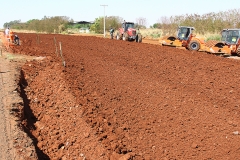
pixel 194 45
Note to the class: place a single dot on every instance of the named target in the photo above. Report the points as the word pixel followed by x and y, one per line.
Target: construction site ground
pixel 110 99
pixel 15 143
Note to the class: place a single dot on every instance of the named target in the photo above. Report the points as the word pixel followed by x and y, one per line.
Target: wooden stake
pixel 37 39
pixel 56 46
pixel 63 61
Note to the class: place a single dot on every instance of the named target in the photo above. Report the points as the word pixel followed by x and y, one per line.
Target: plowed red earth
pixel 124 100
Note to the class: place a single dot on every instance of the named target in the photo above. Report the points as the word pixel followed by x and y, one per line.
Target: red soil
pixel 126 100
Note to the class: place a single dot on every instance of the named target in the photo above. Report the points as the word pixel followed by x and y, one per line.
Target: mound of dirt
pixel 123 100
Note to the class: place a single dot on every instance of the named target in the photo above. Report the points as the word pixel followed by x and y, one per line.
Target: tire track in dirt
pixel 5 133
pixel 7 151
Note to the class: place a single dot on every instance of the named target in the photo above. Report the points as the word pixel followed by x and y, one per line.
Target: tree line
pixel 206 23
pixel 46 24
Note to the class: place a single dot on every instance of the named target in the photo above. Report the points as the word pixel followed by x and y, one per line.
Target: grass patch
pixel 211 36
pixel 214 37
pixel 151 33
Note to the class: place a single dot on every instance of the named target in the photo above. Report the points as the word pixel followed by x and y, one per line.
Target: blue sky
pixel 129 10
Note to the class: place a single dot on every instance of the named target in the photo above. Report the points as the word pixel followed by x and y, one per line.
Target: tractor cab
pixel 128 25
pixel 184 32
pixel 231 36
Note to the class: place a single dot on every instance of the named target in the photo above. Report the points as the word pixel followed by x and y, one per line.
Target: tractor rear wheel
pixel 125 36
pixel 194 45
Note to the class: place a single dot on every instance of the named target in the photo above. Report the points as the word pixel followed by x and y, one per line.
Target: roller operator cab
pixel 231 36
pixel 232 40
pixel 184 33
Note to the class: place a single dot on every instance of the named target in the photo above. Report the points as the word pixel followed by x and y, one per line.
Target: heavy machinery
pixel 229 44
pixel 128 33
pixel 185 38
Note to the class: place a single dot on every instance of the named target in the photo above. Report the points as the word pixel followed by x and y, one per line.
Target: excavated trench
pixel 126 100
pixel 28 118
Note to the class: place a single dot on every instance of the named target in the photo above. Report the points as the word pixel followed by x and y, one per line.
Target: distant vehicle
pixel 129 33
pixel 185 38
pixel 229 44
pixel 84 30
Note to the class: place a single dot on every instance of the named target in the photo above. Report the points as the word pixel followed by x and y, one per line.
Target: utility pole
pixel 104 18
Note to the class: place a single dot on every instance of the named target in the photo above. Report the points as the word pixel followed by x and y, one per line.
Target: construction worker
pixel 7 34
pixel 16 39
pixel 6 31
pixel 111 32
pixel 11 36
pixel 137 32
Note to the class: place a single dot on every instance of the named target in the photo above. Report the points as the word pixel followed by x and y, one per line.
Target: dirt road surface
pixel 14 142
pixel 6 143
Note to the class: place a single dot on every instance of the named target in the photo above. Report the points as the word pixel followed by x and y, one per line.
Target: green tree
pixel 11 23
pixel 46 24
pixel 157 25
pixel 113 21
pixel 209 22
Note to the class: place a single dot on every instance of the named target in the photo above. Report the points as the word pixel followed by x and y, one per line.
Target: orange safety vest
pixel 11 35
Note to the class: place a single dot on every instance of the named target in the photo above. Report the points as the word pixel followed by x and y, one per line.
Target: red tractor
pixel 128 33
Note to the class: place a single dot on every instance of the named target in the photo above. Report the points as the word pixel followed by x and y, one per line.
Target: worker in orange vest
pixel 11 36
